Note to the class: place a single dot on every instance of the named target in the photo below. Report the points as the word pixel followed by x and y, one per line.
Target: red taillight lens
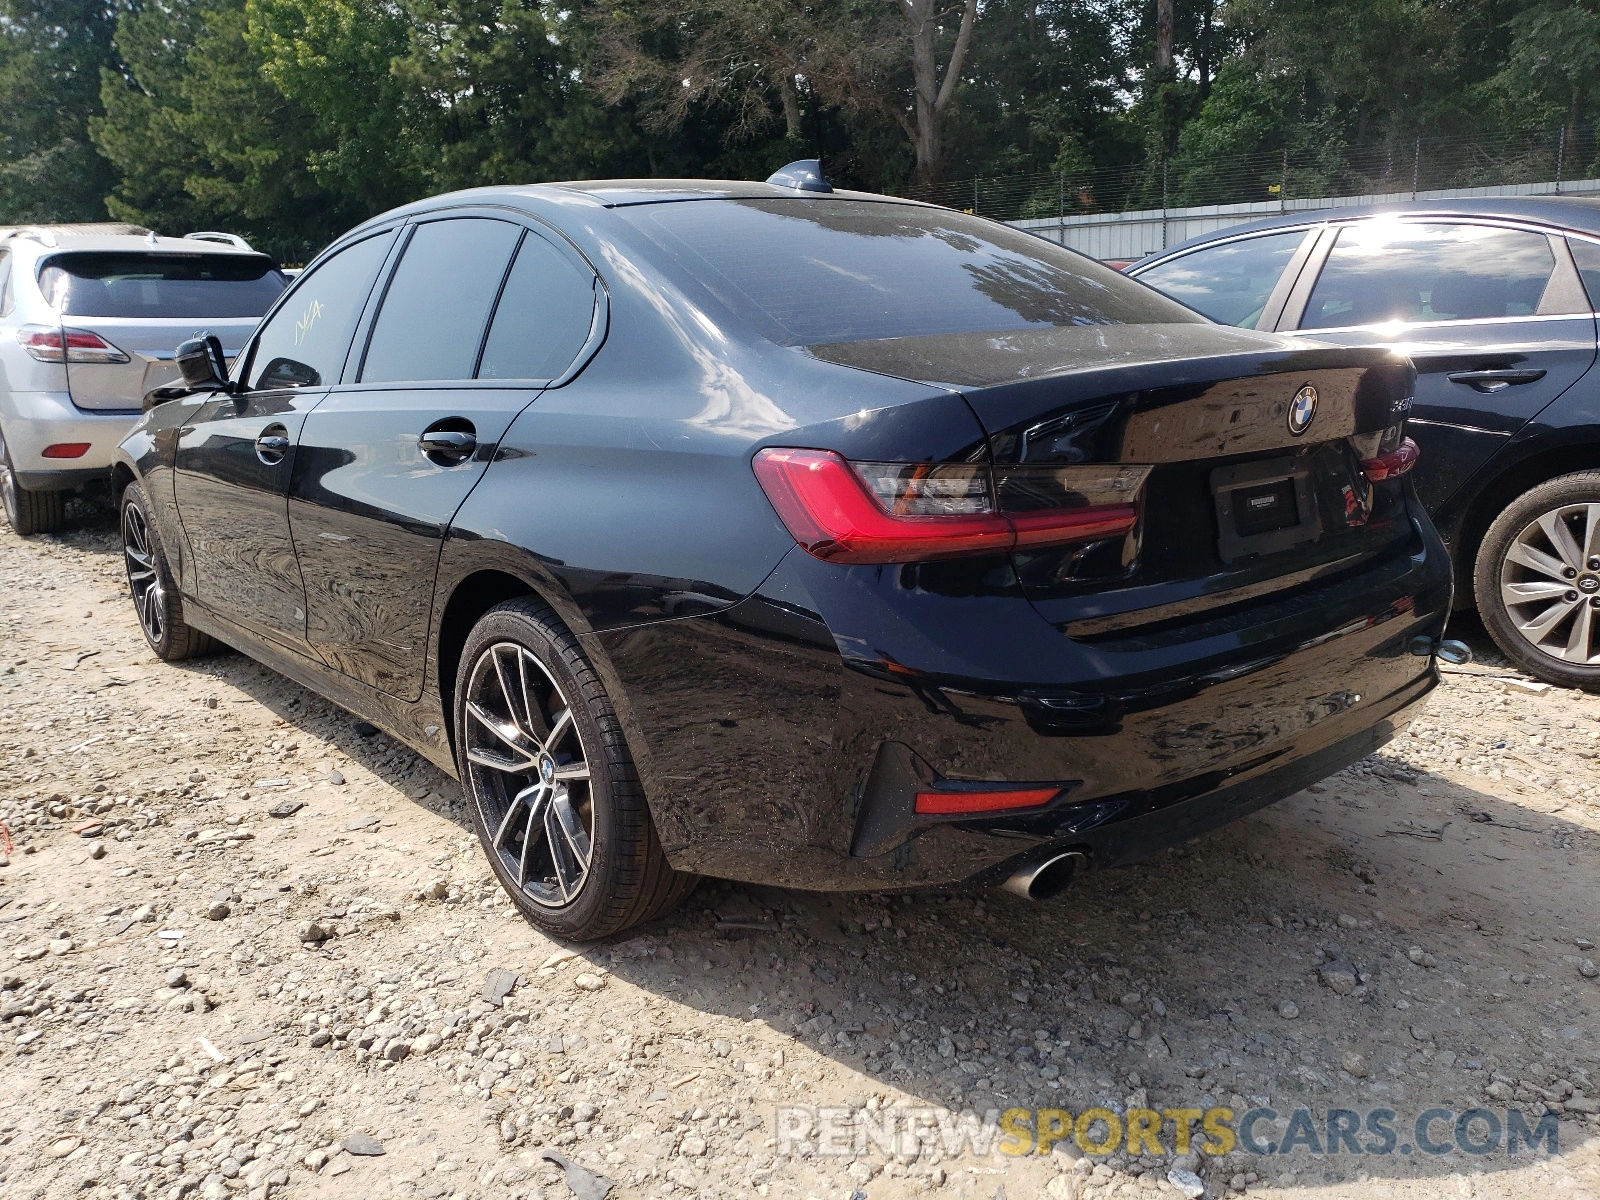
pixel 1393 464
pixel 918 512
pixel 48 344
pixel 65 450
pixel 954 803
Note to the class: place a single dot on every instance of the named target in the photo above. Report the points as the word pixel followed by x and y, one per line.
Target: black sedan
pixel 1494 302
pixel 796 536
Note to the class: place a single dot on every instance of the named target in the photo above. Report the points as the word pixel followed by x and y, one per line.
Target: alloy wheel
pixel 138 552
pixel 529 774
pixel 1550 583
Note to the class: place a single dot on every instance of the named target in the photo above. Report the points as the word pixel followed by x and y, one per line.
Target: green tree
pixel 334 59
pixel 199 138
pixel 51 54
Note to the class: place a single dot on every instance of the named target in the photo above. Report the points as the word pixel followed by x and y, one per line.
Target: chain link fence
pixel 1397 167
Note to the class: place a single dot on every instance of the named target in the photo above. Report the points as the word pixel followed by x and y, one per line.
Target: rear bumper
pixel 780 745
pixel 30 421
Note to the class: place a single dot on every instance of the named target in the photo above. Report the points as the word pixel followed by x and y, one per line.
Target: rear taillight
pixel 1391 464
pixel 915 512
pixel 49 344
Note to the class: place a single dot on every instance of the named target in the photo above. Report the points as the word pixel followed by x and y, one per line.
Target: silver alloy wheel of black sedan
pixel 144 580
pixel 1537 580
pixel 528 768
pixel 1550 582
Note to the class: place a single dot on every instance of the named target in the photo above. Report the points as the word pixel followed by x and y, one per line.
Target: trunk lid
pixel 149 344
pixel 1240 502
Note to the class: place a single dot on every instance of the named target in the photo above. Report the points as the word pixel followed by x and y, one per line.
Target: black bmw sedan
pixel 1494 301
pixel 790 535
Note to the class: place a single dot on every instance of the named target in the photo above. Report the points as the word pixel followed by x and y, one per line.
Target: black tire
pixel 543 788
pixel 1537 580
pixel 29 511
pixel 156 602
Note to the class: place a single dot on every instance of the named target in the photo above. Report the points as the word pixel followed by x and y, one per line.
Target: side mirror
pixel 202 364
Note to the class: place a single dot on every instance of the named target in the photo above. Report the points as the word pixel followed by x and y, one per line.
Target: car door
pixel 474 321
pixel 1493 315
pixel 235 454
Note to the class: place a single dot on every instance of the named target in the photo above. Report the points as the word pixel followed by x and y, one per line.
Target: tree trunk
pixel 931 96
pixel 1164 56
pixel 792 120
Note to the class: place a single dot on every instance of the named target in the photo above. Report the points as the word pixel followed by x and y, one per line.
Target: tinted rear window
pixel 809 271
pixel 118 284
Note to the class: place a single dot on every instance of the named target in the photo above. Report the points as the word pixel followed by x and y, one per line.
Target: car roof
pixel 1580 214
pixel 110 236
pixel 543 199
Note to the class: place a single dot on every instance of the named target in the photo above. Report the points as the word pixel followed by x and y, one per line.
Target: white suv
pixel 89 318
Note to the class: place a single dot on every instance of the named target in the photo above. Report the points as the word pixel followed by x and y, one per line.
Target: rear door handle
pixel 1496 379
pixel 272 444
pixel 449 446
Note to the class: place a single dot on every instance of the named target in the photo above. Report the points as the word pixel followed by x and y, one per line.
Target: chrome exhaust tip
pixel 1046 878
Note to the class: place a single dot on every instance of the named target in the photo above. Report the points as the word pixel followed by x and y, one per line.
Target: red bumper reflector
pixel 1393 464
pixel 65 450
pixel 830 512
pixel 948 803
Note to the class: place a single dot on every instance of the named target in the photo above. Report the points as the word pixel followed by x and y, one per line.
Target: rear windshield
pixel 811 271
pixel 121 284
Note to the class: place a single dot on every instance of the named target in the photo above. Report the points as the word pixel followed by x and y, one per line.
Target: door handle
pixel 1496 379
pixel 448 447
pixel 272 445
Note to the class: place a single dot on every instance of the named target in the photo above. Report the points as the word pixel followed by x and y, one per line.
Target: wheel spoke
pixel 1535 560
pixel 498 762
pixel 1538 589
pixel 1591 533
pixel 557 730
pixel 510 684
pixel 1539 628
pixel 506 732
pixel 569 845
pixel 1578 640
pixel 577 770
pixel 1555 528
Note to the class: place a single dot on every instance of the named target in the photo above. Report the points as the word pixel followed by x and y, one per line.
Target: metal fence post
pixel 974 196
pixel 1061 208
pixel 1283 183
pixel 1561 154
pixel 1416 167
pixel 1163 203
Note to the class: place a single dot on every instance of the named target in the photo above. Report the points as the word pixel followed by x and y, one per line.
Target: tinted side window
pixel 431 323
pixel 1386 270
pixel 1587 256
pixel 1229 283
pixel 543 317
pixel 304 343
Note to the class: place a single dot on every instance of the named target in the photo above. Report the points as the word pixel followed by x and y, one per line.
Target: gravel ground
pixel 203 996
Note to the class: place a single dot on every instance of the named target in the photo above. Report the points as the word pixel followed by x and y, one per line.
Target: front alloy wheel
pixel 1538 580
pixel 551 786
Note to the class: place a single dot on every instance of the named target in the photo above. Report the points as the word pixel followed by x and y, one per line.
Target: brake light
pixel 49 344
pixel 65 450
pixel 979 800
pixel 1393 463
pixel 916 512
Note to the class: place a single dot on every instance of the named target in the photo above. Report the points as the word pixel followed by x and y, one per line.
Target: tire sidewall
pixel 512 625
pixel 1582 487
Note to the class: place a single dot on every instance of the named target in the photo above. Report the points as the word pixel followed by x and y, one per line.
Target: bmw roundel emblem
pixel 1302 409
